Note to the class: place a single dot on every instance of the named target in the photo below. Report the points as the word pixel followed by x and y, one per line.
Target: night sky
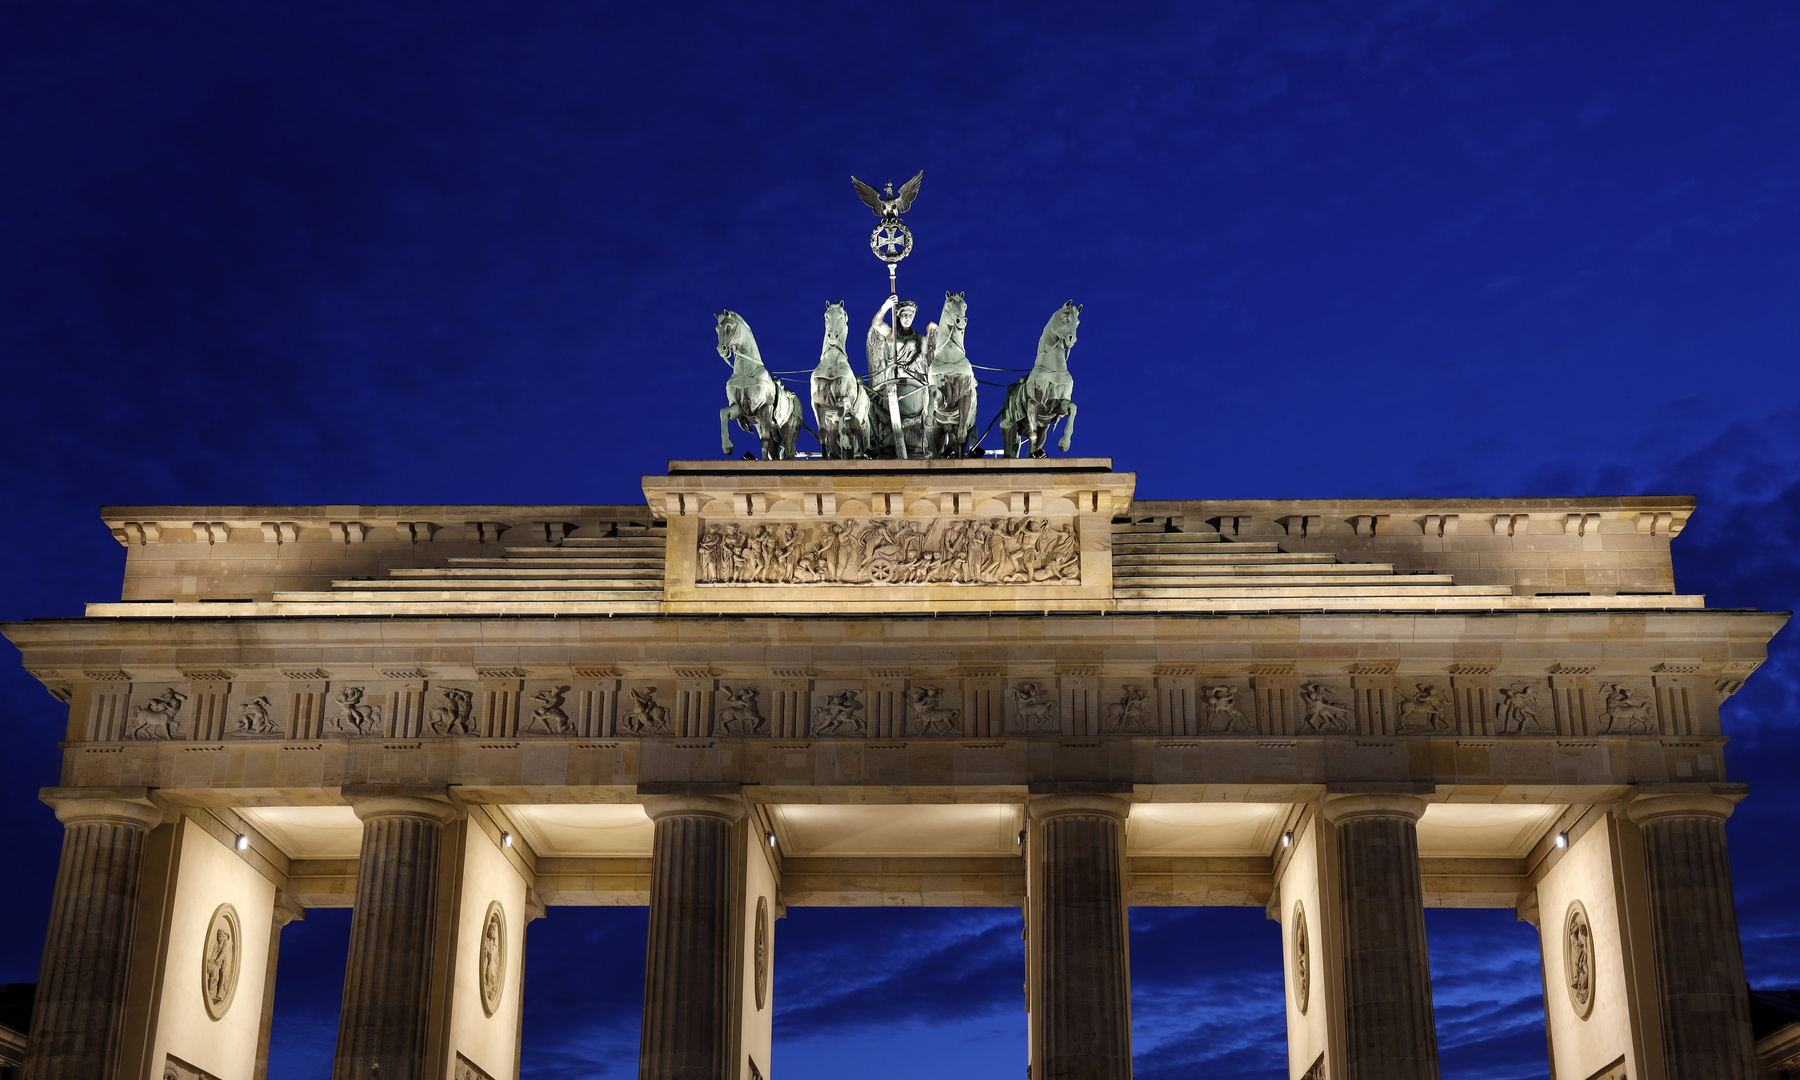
pixel 470 252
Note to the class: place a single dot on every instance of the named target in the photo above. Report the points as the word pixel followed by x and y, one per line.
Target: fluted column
pixel 1699 961
pixel 1389 1030
pixel 286 911
pixel 78 1021
pixel 687 965
pixel 387 980
pixel 1081 1007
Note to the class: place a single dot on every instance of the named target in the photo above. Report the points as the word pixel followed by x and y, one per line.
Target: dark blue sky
pixel 469 252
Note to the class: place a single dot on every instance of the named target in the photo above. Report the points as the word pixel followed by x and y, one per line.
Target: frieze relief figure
pixel 1131 713
pixel 1035 707
pixel 156 718
pixel 1222 713
pixel 981 551
pixel 841 714
pixel 1425 709
pixel 254 718
pixel 644 716
pixel 740 715
pixel 456 716
pixel 1626 712
pixel 1518 711
pixel 1322 714
pixel 933 718
pixel 353 716
pixel 549 717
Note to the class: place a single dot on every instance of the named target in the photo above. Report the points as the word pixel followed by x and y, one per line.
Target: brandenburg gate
pixel 941 682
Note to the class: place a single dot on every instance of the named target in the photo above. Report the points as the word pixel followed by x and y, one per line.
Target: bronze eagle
pixel 889 207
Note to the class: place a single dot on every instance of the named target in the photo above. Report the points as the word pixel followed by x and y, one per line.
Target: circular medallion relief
pixel 1302 960
pixel 493 957
pixel 762 951
pixel 219 956
pixel 1578 959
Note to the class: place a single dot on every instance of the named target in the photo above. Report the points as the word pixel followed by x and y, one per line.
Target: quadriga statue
pixel 950 381
pixel 840 401
pixel 1036 402
pixel 753 398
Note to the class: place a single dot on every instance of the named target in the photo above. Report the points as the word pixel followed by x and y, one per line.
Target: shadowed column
pixel 687 965
pixel 286 911
pixel 77 1023
pixel 387 980
pixel 1389 1030
pixel 1699 960
pixel 1082 1008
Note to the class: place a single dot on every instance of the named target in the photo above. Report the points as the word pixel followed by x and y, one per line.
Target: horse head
pixel 956 312
pixel 837 323
pixel 1062 325
pixel 729 323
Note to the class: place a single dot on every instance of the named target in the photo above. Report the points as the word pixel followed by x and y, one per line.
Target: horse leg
pixel 1068 427
pixel 726 416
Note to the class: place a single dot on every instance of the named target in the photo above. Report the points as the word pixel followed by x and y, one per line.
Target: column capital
pixel 718 806
pixel 372 807
pixel 1647 808
pixel 76 806
pixel 1043 807
pixel 1337 808
pixel 287 909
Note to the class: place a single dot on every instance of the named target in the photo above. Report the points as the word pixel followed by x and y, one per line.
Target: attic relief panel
pixel 856 551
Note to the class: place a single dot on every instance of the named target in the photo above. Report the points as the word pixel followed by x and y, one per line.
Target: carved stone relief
pixel 929 715
pixel 493 957
pixel 1578 958
pixel 1426 709
pixel 1519 711
pixel 158 717
pixel 1302 960
pixel 453 712
pixel 219 957
pixel 176 1069
pixel 549 717
pixel 1132 713
pixel 1222 712
pixel 762 952
pixel 1322 713
pixel 1625 711
pixel 739 713
pixel 352 714
pixel 468 1070
pixel 643 716
pixel 858 551
pixel 841 713
pixel 1035 709
pixel 1317 1072
pixel 255 718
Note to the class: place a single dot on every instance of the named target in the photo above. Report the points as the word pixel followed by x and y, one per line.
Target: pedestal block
pixel 77 1024
pixel 688 1021
pixel 385 1017
pixel 1078 957
pixel 1699 961
pixel 1389 1030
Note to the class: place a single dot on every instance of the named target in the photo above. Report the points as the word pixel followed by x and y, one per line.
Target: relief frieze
pixel 857 551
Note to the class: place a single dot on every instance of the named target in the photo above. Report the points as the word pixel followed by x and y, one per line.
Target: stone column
pixel 1693 922
pixel 387 981
pixel 78 1022
pixel 1389 1030
pixel 687 966
pixel 1081 1000
pixel 286 911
